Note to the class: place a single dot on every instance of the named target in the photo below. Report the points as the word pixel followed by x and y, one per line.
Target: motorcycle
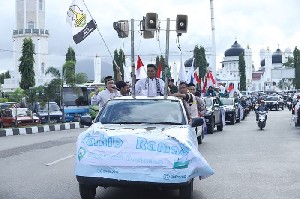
pixel 289 105
pixel 262 117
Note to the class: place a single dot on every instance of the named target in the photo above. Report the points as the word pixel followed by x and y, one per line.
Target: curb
pixel 39 129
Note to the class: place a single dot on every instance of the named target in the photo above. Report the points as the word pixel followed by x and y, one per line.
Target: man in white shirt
pixel 108 93
pixel 150 86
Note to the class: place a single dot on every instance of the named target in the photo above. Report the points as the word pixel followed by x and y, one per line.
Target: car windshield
pixel 208 101
pixel 142 111
pixel 227 101
pixel 52 107
pixel 271 99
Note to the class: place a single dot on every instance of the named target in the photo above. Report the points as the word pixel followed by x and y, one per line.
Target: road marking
pixel 59 160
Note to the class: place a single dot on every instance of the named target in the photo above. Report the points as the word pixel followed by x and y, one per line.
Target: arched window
pixel 30 25
pixel 41 4
pixel 43 68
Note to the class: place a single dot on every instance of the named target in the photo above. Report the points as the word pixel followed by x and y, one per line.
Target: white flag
pixel 81 23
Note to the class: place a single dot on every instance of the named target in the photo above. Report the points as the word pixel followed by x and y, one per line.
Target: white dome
pixel 288 50
pixel 262 50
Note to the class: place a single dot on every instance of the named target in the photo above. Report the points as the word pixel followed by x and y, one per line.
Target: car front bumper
pixel 108 182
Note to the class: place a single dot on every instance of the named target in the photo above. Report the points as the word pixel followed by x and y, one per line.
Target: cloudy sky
pixel 257 23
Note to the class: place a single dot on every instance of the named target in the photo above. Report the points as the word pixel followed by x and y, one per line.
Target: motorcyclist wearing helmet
pixel 261 107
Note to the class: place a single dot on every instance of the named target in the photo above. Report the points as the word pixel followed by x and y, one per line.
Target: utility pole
pixel 167 57
pixel 133 77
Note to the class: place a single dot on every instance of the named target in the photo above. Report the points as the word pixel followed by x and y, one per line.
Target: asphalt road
pixel 248 163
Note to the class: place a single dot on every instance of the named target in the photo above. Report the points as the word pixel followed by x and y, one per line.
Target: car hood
pixel 22 118
pixel 151 153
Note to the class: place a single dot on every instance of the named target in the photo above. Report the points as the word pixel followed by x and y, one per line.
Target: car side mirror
pixel 197 121
pixel 86 120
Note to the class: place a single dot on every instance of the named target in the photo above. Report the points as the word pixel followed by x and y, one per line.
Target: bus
pixel 76 102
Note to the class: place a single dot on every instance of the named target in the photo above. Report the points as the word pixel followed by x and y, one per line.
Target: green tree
pixel 119 58
pixel 26 64
pixel 3 76
pixel 69 67
pixel 200 61
pixel 296 54
pixel 289 62
pixel 70 55
pixel 81 78
pixel 242 72
pixel 69 73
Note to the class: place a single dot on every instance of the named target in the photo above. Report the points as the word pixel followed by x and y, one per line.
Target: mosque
pixel 267 77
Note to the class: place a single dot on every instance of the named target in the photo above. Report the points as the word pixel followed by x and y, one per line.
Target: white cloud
pixel 260 24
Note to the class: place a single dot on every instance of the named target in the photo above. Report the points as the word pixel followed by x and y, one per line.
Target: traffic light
pixel 151 21
pixel 181 23
pixel 122 28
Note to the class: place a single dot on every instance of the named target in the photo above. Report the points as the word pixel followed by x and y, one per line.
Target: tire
pixel 277 107
pixel 186 192
pixel 232 122
pixel 200 137
pixel 282 107
pixel 211 127
pixel 1 125
pixel 220 126
pixel 87 191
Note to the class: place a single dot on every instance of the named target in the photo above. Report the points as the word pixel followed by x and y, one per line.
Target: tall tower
pixel 213 57
pixel 30 22
pixel 248 63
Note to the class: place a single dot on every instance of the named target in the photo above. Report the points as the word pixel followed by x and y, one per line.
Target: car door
pixel 217 110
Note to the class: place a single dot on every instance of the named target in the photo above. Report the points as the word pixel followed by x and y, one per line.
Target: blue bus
pixel 76 102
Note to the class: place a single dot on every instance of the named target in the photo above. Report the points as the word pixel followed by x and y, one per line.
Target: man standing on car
pixel 108 93
pixel 150 86
pixel 199 99
pixel 123 88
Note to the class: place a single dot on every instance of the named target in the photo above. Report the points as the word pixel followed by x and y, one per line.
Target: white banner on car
pixel 168 156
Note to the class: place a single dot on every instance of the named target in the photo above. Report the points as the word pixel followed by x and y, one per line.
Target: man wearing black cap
pixel 108 93
pixel 150 86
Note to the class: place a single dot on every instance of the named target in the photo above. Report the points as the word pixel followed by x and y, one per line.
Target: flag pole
pixel 102 38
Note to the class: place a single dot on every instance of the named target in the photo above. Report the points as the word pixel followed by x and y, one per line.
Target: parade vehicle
pixel 141 141
pixel 15 117
pixel 274 102
pixel 213 115
pixel 232 110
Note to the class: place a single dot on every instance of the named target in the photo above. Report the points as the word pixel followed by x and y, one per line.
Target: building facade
pixel 267 77
pixel 30 23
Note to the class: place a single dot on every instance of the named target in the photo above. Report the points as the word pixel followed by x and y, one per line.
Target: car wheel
pixel 87 191
pixel 186 192
pixel 211 127
pixel 282 107
pixel 232 121
pixel 277 108
pixel 1 125
pixel 220 126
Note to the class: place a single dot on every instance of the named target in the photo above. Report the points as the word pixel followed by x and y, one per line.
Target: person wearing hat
pixel 150 86
pixel 123 88
pixel 108 93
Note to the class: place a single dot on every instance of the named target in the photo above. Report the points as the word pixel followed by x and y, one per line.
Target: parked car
pixel 213 116
pixel 140 142
pixel 274 102
pixel 232 111
pixel 54 112
pixel 15 117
